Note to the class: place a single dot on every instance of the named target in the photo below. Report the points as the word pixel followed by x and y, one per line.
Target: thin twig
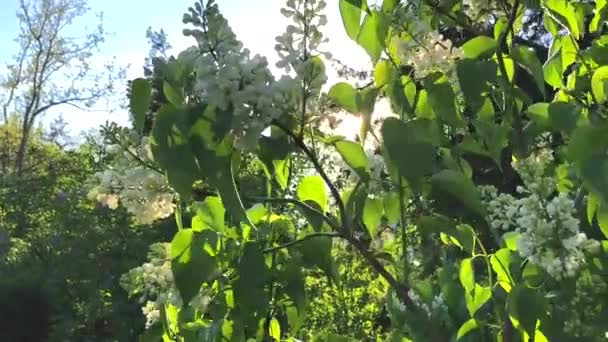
pixel 298 241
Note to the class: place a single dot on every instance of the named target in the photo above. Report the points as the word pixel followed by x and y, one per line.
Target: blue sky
pixel 256 23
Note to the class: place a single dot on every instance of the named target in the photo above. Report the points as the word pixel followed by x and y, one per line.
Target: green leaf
pixel 569 49
pixel 140 100
pixel 510 239
pixel 388 6
pixel 373 34
pixel 353 154
pixel 564 116
pixel 587 141
pixel 602 220
pixel 384 73
pixel 495 137
pixel 467 275
pixel 392 207
pixel 457 187
pixel 192 262
pixel 411 148
pixel 479 47
pixel 532 275
pixel 594 172
pixel 473 77
pixel 249 289
pixel 599 81
pixel 402 92
pixel 423 107
pixel 172 150
pixel 274 329
pixel 527 59
pixel 465 236
pixel 367 102
pixel 593 203
pixel 294 284
pixel 466 328
pixel 601 15
pixel 345 96
pixel 539 113
pixel 501 261
pixel 442 99
pixel 480 295
pixel 351 10
pixel 563 13
pixel 354 200
pixel 372 215
pixel 316 251
pixel 527 306
pixel 172 94
pixel 312 188
pixel 209 215
pixel 552 70
pixel 213 148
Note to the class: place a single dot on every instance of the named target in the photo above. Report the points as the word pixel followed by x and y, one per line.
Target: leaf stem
pixel 510 99
pixel 317 165
pixel 298 241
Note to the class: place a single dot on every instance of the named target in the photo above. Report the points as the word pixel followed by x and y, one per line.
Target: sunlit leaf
pixel 191 261
pixel 351 11
pixel 373 34
pixel 527 59
pixel 312 188
pixel 140 99
pixel 479 47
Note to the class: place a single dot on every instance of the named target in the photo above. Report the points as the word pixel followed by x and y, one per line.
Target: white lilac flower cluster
pixel 229 78
pixel 584 307
pixel 550 235
pixel 304 36
pixel 297 49
pixel 437 307
pixel 432 53
pixel 423 47
pixel 154 284
pixel 477 10
pixel 130 181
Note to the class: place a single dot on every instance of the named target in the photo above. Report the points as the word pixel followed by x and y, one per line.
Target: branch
pixel 298 241
pixel 67 101
pixel 401 289
pixel 502 41
pixel 298 203
pixel 332 188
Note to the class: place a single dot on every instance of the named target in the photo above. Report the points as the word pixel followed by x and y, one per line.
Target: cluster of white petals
pixel 550 236
pixel 477 10
pixel 130 182
pixel 584 308
pixel 432 53
pixel 304 34
pixel 154 284
pixel 228 77
pixel 299 50
pixel 437 307
pixel 151 312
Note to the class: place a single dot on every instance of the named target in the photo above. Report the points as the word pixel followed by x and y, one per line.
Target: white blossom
pixel 476 9
pixel 153 282
pixel 151 312
pixel 144 192
pixel 550 235
pixel 432 53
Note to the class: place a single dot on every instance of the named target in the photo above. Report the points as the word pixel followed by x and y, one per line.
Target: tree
pixel 511 249
pixel 52 67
